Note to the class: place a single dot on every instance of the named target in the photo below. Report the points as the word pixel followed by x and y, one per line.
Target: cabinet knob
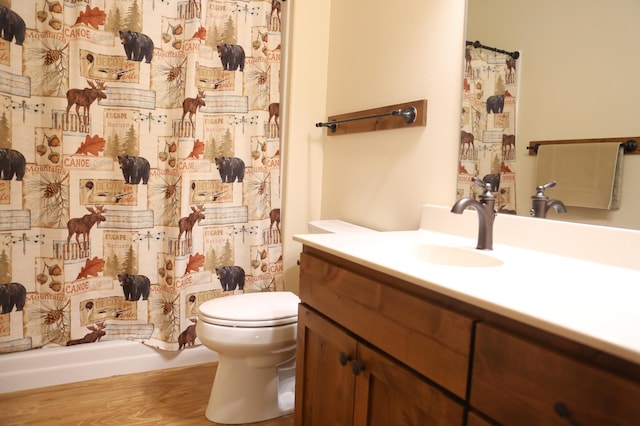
pixel 563 411
pixel 345 358
pixel 357 367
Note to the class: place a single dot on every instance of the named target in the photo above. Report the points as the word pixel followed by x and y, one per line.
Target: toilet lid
pixel 259 309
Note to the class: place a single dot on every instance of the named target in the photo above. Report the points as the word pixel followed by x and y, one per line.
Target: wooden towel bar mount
pixel 629 144
pixel 383 118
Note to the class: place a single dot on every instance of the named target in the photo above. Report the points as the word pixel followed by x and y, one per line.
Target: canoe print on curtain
pixel 139 166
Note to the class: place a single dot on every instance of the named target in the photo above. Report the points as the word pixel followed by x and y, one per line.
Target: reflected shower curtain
pixel 139 166
pixel 488 126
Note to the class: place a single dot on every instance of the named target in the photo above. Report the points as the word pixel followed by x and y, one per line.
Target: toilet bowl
pixel 254 335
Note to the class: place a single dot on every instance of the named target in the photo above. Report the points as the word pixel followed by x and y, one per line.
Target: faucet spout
pixel 485 220
pixel 486 214
pixel 557 205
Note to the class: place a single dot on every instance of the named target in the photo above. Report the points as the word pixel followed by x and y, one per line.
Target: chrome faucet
pixel 486 213
pixel 541 203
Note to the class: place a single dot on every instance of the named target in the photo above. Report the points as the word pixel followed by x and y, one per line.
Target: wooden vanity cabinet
pixel 376 350
pixel 517 381
pixel 474 419
pixel 372 353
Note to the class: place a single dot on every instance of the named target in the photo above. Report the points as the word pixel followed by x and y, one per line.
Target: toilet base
pixel 240 394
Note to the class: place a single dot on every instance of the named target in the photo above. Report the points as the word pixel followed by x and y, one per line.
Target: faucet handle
pixel 482 184
pixel 487 194
pixel 540 190
pixel 478 181
pixel 546 185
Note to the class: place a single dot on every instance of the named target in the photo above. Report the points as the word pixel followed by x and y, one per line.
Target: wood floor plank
pixel 177 396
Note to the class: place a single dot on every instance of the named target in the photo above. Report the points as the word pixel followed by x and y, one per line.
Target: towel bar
pixel 382 118
pixel 630 146
pixel 409 115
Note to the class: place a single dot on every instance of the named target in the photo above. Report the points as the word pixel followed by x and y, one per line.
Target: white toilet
pixel 254 335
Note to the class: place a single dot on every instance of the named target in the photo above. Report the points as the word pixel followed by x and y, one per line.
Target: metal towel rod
pixel 629 146
pixel 409 115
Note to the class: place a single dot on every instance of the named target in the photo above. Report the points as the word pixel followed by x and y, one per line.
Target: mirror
pixel 578 79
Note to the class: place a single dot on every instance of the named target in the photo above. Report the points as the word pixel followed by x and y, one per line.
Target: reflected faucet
pixel 486 213
pixel 541 203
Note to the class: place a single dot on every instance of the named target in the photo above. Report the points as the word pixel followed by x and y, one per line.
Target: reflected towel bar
pixel 630 146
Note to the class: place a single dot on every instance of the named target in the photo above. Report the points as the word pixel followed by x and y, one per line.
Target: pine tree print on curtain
pixel 139 166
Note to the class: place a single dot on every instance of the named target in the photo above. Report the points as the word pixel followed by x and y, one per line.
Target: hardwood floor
pixel 177 396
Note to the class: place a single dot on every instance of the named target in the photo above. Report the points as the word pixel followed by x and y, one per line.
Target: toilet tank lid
pixel 334 226
pixel 257 306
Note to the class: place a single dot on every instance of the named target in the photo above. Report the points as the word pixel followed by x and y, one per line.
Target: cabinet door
pixel 325 382
pixel 390 394
pixel 519 382
pixel 474 419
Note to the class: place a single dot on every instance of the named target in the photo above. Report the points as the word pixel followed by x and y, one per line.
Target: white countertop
pixel 593 303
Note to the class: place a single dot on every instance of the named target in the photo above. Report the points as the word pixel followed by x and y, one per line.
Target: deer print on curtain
pixel 139 166
pixel 488 126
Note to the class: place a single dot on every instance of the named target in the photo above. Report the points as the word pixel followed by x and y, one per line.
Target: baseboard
pixel 52 366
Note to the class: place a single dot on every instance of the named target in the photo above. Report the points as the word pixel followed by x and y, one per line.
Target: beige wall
pixel 381 55
pixel 347 56
pixel 305 49
pixel 578 79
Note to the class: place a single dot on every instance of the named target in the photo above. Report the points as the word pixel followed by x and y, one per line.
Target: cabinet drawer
pixel 431 339
pixel 515 381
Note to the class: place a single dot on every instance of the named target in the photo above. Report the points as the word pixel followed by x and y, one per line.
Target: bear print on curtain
pixel 139 166
pixel 488 126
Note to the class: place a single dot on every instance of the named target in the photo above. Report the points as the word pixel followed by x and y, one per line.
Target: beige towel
pixel 587 174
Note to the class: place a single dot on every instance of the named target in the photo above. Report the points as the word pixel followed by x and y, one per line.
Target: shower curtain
pixel 139 165
pixel 488 126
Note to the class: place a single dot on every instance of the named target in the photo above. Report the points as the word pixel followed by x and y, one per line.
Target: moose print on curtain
pixel 488 126
pixel 139 166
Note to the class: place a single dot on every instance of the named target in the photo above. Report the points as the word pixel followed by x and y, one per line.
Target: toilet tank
pixel 335 227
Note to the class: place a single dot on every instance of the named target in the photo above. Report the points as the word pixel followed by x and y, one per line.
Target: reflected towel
pixel 588 174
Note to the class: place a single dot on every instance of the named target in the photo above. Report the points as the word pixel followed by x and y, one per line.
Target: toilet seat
pixel 255 310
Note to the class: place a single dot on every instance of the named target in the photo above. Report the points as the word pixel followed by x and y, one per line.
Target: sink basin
pixel 455 256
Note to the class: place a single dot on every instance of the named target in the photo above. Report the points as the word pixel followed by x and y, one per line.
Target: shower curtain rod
pixel 477 45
